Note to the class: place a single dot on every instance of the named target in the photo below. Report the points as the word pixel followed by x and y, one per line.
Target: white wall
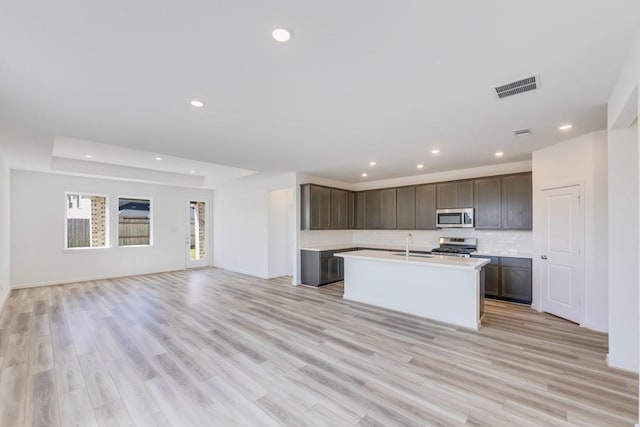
pixel 624 186
pixel 582 159
pixel 37 230
pixel 241 222
pixel 623 252
pixel 5 230
pixel 280 235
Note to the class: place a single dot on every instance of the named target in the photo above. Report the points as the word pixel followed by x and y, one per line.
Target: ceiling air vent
pixel 523 132
pixel 520 86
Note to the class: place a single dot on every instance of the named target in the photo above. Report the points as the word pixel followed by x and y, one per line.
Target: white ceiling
pixel 360 80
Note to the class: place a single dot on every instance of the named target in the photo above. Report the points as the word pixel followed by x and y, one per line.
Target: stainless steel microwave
pixel 454 218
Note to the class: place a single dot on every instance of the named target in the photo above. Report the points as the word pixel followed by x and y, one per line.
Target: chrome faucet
pixel 408 239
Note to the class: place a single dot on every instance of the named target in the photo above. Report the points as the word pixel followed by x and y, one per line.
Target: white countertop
pixel 431 261
pixel 339 246
pixel 331 247
pixel 511 254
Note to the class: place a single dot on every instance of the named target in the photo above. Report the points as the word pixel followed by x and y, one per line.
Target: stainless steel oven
pixel 454 218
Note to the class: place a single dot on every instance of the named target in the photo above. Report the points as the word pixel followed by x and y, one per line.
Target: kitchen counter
pixel 441 288
pixel 510 254
pixel 412 248
pixel 340 246
pixel 437 261
pixel 331 247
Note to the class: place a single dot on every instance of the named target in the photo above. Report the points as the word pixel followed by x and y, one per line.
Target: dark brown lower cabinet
pixel 322 267
pixel 492 278
pixel 508 279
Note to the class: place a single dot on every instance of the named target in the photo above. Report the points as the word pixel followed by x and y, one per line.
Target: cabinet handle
pixel 543 257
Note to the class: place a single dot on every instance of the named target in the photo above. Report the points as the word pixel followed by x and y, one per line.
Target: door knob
pixel 543 257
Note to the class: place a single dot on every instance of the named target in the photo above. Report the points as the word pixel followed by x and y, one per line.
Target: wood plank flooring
pixel 213 348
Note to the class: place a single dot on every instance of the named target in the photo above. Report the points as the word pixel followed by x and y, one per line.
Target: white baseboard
pixel 625 365
pixel 596 328
pixel 85 279
pixel 241 271
pixel 4 299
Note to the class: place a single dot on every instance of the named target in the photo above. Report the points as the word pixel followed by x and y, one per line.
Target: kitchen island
pixel 442 288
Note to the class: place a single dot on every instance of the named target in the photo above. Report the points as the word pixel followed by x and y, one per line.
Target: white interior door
pixel 562 257
pixel 197 239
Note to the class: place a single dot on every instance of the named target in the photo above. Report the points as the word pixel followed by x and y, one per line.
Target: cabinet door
pixel 426 207
pixel 388 208
pixel 488 211
pixel 515 283
pixel 335 269
pixel 464 194
pixel 339 209
pixel 491 281
pixel 406 207
pixel 517 202
pixel 447 196
pixel 373 202
pixel 351 210
pixel 320 207
pixel 310 267
pixel 325 271
pixel 361 210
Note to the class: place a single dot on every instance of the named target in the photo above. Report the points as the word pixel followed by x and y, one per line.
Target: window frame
pixel 65 237
pixel 151 221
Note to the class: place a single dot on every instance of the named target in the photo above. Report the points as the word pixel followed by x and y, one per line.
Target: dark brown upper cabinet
pixel 454 195
pixel 340 210
pixel 488 203
pixel 315 207
pixel 381 208
pixel 426 207
pixel 503 202
pixel 360 220
pixel 406 208
pixel 517 195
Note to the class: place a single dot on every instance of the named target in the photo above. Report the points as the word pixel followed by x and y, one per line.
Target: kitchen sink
pixel 414 254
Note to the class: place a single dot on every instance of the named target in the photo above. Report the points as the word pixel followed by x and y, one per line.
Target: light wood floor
pixel 212 348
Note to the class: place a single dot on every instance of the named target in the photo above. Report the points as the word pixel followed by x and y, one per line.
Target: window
pixel 86 221
pixel 134 222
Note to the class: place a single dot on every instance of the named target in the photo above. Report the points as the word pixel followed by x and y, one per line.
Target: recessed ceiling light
pixel 364 174
pixel 435 151
pixel 499 154
pixel 372 163
pixel 88 156
pixel 192 171
pixel 420 166
pixel 158 158
pixel 197 103
pixel 566 127
pixel 281 35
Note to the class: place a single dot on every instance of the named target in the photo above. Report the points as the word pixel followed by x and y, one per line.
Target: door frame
pixel 206 262
pixel 538 239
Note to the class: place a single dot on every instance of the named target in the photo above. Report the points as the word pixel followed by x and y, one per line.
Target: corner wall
pixel 241 222
pixel 623 253
pixel 624 220
pixel 582 159
pixel 5 231
pixel 38 255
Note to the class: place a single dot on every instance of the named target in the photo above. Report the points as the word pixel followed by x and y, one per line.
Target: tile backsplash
pixel 497 241
pixel 310 238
